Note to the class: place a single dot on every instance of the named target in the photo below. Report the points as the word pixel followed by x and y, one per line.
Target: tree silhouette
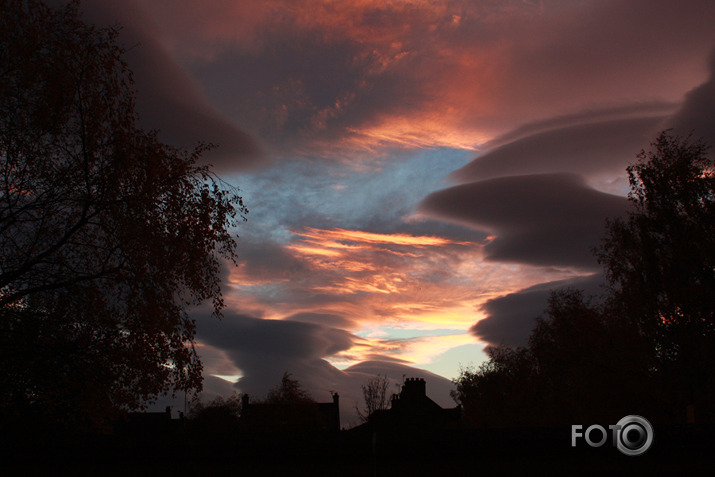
pixel 650 344
pixel 581 364
pixel 589 364
pixel 375 396
pixel 286 408
pixel 217 419
pixel 660 263
pixel 500 392
pixel 106 234
pixel 288 391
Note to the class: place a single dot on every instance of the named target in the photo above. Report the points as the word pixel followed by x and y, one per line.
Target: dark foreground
pixel 682 450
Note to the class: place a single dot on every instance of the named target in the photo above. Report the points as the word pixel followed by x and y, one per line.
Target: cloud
pixel 317 77
pixel 327 319
pixel 438 388
pixel 519 193
pixel 264 349
pixel 696 113
pixel 636 110
pixel 356 275
pixel 590 148
pixel 510 318
pixel 542 219
pixel 408 297
pixel 340 260
pixel 168 98
pixel 247 339
pixel 371 277
pixel 263 260
pixel 393 296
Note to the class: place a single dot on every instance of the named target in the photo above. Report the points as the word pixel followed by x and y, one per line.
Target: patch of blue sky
pixel 401 333
pixel 315 193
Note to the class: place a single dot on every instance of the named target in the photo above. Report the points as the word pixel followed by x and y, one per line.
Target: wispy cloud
pixel 395 292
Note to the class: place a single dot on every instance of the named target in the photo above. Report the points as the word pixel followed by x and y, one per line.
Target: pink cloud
pixel 368 75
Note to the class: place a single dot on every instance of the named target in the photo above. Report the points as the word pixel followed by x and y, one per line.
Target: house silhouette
pixel 296 415
pixel 412 411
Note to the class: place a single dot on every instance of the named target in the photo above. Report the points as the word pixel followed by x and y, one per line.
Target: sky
pixel 420 174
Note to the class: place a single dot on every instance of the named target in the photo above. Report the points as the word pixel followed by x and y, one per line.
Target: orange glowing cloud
pixel 334 236
pixel 404 297
pixel 426 282
pixel 367 262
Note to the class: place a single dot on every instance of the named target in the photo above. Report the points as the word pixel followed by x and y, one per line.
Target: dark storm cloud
pixel 168 99
pixel 599 147
pixel 697 114
pixel 544 219
pixel 247 338
pixel 510 318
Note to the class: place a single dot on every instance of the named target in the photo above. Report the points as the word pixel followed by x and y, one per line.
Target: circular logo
pixel 634 436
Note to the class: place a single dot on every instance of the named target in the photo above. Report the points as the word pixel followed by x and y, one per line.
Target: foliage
pixel 660 260
pixel 107 234
pixel 650 344
pixel 218 418
pixel 660 263
pixel 375 396
pixel 580 364
pixel 287 407
pixel 288 391
pixel 226 407
pixel 496 393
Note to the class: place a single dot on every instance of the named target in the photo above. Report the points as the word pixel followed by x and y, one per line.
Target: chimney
pixel 414 388
pixel 336 412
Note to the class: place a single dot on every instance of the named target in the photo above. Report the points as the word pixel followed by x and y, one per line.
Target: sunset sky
pixel 419 173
